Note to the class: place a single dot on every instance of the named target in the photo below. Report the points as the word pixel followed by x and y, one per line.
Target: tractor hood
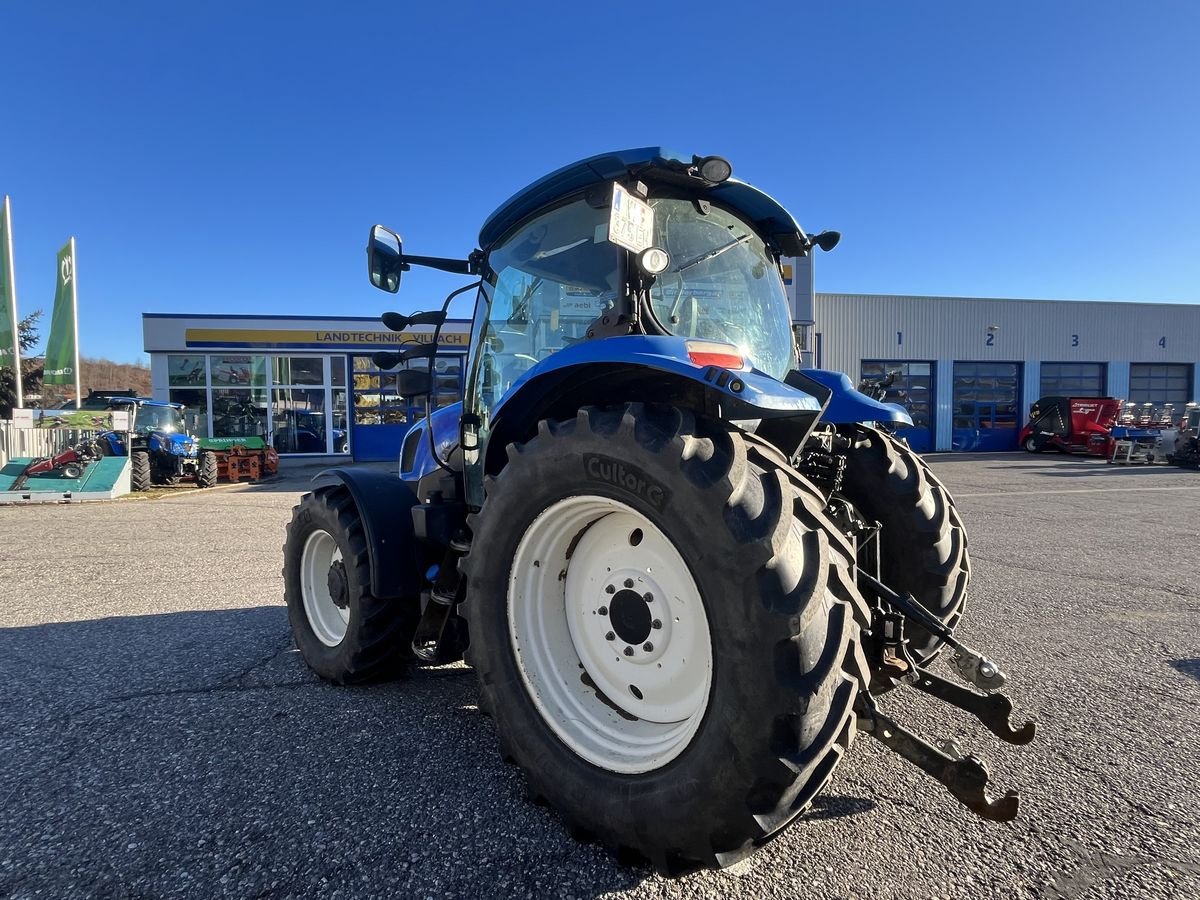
pixel 849 405
pixel 173 443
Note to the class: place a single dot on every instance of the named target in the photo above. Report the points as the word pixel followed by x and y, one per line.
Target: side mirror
pixel 385 259
pixel 398 322
pixel 413 383
pixel 827 240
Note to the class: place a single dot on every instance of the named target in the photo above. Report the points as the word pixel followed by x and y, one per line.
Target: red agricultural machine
pixel 1071 425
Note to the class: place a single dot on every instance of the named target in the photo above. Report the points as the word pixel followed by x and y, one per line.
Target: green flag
pixel 10 353
pixel 61 345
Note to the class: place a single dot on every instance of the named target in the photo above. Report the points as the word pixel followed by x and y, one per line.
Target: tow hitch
pixel 964 775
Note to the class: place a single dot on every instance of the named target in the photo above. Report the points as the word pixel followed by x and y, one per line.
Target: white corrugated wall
pixel 943 330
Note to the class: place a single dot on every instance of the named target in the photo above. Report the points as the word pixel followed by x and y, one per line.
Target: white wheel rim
pixel 328 620
pixel 580 625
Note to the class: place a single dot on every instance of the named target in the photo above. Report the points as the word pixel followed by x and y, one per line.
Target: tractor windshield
pixel 159 418
pixel 553 277
pixel 722 284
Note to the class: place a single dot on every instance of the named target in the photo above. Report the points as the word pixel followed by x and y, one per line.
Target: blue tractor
pixel 160 449
pixel 684 569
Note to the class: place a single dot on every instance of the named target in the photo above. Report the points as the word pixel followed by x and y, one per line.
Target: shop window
pixel 195 413
pixel 298 370
pixel 377 401
pixel 298 417
pixel 239 412
pixel 1072 379
pixel 449 380
pixel 185 370
pixel 341 430
pixel 238 371
pixel 1160 383
pixel 337 371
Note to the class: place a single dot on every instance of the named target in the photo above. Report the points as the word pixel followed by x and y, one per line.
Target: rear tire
pixel 1032 444
pixel 139 470
pixel 206 473
pixel 345 634
pixel 923 541
pixel 752 584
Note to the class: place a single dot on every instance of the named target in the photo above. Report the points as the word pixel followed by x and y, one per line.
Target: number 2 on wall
pixel 991 340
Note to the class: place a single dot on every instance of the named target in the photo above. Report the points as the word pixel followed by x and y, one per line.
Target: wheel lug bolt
pixel 648 647
pixel 648 597
pixel 628 582
pixel 603 610
pixel 610 637
pixel 629 651
pixel 609 589
pixel 656 624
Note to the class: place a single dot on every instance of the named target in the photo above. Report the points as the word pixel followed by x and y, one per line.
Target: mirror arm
pixel 468 266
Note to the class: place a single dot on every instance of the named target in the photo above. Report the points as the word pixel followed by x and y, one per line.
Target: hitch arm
pixel 994 711
pixel 965 777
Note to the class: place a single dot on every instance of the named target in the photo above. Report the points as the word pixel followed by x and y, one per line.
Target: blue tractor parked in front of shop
pixel 159 448
pixel 684 569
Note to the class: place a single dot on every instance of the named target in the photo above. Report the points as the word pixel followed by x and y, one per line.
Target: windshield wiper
pixel 712 254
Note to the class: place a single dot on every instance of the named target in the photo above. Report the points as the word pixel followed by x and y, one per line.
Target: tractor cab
pixel 623 276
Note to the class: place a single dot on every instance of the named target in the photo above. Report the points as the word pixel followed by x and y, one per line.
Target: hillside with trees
pixel 95 374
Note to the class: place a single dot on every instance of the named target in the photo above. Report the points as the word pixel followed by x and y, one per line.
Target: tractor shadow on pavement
pixel 1189 667
pixel 194 752
pixel 1083 468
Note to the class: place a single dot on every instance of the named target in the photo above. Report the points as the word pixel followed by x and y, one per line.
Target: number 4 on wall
pixel 1162 342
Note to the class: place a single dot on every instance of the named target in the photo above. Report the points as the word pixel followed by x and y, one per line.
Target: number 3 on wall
pixel 1074 340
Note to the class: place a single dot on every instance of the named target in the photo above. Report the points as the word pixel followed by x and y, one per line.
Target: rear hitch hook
pixel 965 777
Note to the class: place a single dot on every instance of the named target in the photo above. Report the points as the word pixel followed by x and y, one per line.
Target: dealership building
pixel 966 368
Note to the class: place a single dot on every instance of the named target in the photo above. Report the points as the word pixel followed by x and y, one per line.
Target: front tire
pixel 345 633
pixel 923 541
pixel 694 741
pixel 206 473
pixel 139 471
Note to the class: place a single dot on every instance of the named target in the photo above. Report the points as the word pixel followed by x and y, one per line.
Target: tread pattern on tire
pixel 787 549
pixel 140 478
pixel 206 475
pixel 377 645
pixel 924 542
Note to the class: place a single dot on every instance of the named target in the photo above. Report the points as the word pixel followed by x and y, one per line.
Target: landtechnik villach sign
pixel 316 339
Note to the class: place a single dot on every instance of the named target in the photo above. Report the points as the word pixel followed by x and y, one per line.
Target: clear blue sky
pixel 229 157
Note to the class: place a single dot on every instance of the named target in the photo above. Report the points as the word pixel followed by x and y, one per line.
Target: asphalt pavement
pixel 160 736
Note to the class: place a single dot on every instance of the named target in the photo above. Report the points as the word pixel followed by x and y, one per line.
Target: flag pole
pixel 75 317
pixel 11 279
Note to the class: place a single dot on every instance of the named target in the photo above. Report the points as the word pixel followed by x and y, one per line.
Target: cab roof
pixel 143 401
pixel 775 222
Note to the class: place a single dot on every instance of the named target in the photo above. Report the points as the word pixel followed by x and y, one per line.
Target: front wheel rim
pixel 610 634
pixel 328 620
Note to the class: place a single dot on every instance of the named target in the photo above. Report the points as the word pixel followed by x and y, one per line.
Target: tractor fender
pixel 749 393
pixel 384 503
pixel 640 368
pixel 847 405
